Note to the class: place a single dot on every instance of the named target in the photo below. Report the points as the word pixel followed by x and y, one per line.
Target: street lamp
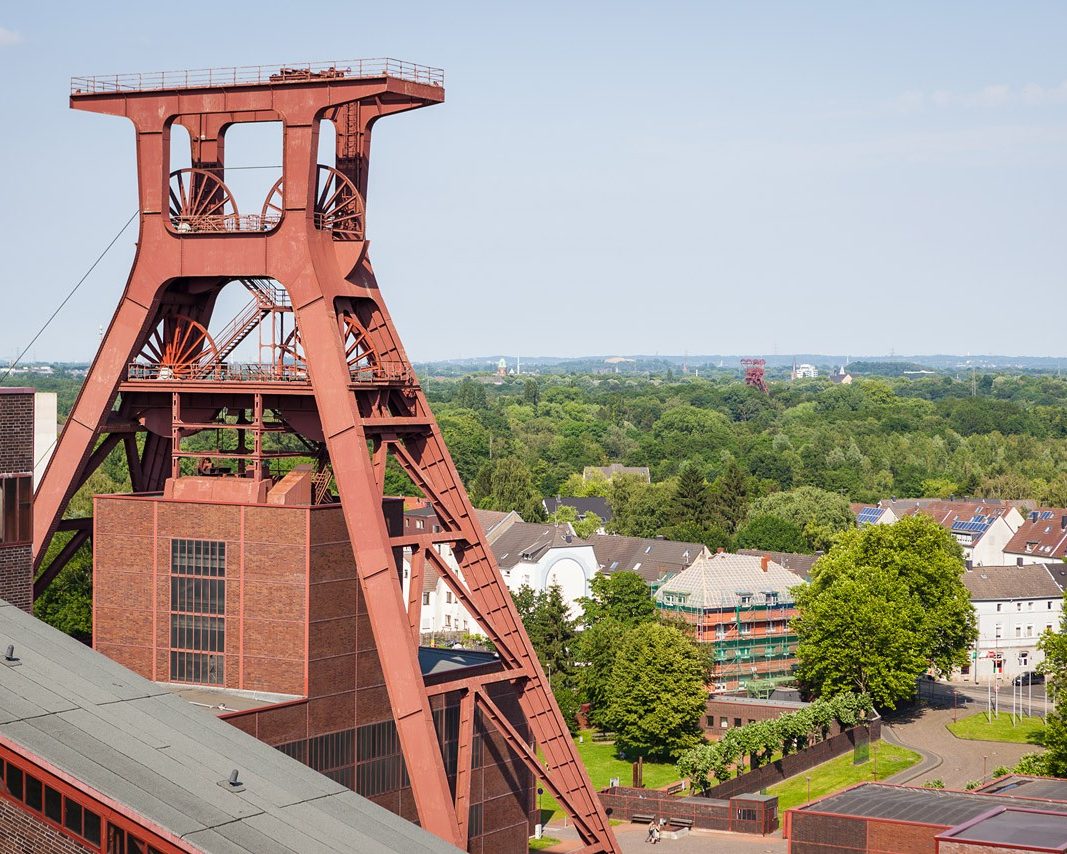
pixel 808 778
pixel 540 815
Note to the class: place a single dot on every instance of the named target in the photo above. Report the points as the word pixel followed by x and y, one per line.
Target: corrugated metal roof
pixel 161 758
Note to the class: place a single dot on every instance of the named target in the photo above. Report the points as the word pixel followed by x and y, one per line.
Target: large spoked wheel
pixel 360 354
pixel 338 205
pixel 179 348
pixel 200 201
pixel 273 207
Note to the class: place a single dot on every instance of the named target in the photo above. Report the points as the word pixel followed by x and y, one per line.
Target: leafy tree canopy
pixel 772 533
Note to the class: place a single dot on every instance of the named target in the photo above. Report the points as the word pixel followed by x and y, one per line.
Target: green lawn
pixel 602 764
pixel 838 773
pixel 1001 728
pixel 543 843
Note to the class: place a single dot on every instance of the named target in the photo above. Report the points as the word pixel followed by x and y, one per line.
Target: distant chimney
pixel 1018 561
pixel 764 562
pixel 1063 523
pixel 719 550
pixel 969 564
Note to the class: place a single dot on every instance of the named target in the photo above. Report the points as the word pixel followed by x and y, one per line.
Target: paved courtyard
pixel 632 841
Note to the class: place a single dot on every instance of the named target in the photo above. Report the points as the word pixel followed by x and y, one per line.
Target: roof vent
pixel 233 782
pixel 9 656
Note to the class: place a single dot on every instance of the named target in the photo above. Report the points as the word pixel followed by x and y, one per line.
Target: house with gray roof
pixel 653 558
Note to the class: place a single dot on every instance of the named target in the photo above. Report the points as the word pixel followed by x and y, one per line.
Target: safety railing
pixel 224 224
pixel 390 373
pixel 255 75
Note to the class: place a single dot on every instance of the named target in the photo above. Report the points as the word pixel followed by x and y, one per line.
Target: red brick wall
pixel 23 833
pixel 16 457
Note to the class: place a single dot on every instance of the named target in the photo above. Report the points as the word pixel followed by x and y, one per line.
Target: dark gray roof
pixel 1038 831
pixel 1028 787
pixel 925 806
pixel 652 559
pixel 161 757
pixel 990 583
pixel 798 564
pixel 528 541
pixel 433 660
pixel 592 504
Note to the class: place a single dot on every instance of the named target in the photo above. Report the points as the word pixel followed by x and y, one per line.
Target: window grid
pixel 198 605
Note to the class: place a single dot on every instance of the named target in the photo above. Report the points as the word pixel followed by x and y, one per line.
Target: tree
pixel 713 536
pixel 620 596
pixel 729 497
pixel 772 533
pixel 471 395
pixel 808 505
pixel 639 509
pixel 657 694
pixel 565 514
pixel 588 525
pixel 552 632
pixel 531 393
pixel 596 650
pixel 508 485
pixel 1054 645
pixel 884 604
pixel 691 496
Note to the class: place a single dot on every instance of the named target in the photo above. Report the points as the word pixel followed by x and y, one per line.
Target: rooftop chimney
pixel 1063 523
pixel 719 550
pixel 764 562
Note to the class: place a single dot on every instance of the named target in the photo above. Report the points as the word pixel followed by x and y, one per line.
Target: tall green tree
pixel 821 514
pixel 773 533
pixel 728 500
pixel 507 484
pixel 884 604
pixel 657 694
pixel 692 498
pixel 531 393
pixel 471 395
pixel 620 596
pixel 552 632
pixel 597 649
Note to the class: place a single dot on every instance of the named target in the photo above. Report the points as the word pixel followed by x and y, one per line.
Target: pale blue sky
pixel 611 177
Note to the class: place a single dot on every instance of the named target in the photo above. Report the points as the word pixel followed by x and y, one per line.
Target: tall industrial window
pixel 198 605
pixel 16 520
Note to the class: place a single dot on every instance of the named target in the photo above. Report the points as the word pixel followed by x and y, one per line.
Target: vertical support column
pixel 464 761
pixel 418 569
pixel 175 434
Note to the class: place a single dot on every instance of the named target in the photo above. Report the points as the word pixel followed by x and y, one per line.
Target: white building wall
pixel 1008 632
pixel 989 550
pixel 45 430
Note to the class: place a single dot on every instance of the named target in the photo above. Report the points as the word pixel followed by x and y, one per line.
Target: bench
pixel 675 788
pixel 642 818
pixel 686 823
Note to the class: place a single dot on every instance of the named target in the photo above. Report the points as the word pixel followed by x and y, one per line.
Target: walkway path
pixel 954 760
pixel 632 841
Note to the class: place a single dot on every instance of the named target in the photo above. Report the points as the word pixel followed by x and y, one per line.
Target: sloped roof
pixel 798 564
pixel 592 504
pixel 987 583
pixel 1043 534
pixel 717 581
pixel 161 758
pixel 960 517
pixel 652 559
pixel 528 541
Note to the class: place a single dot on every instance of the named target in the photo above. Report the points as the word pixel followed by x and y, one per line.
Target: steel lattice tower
pixel 339 380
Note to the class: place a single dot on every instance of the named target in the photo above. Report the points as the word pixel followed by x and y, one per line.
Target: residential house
pixel 1042 537
pixel 742 606
pixel 653 558
pixel 1014 605
pixel 982 527
pixel 582 506
pixel 873 514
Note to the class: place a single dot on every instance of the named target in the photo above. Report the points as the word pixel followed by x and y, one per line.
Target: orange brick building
pixel 245 596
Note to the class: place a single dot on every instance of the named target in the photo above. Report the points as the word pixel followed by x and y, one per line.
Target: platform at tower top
pixel 258 75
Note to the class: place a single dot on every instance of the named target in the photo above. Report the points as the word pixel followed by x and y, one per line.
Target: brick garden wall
pixel 24 833
pixel 705 813
pixel 795 763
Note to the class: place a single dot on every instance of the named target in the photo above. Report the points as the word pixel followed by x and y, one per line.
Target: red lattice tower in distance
pixel 754 373
pixel 338 381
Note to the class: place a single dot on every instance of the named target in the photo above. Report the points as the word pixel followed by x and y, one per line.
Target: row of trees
pixel 759 742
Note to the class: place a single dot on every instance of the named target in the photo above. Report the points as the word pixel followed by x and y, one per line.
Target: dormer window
pixel 1030 547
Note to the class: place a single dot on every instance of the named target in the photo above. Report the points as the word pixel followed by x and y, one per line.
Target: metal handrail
pixel 257 75
pixel 388 373
pixel 223 223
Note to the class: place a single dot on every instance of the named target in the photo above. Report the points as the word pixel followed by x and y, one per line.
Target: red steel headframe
pixel 364 402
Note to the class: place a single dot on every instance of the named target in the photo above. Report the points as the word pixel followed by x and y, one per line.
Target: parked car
pixel 1031 677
